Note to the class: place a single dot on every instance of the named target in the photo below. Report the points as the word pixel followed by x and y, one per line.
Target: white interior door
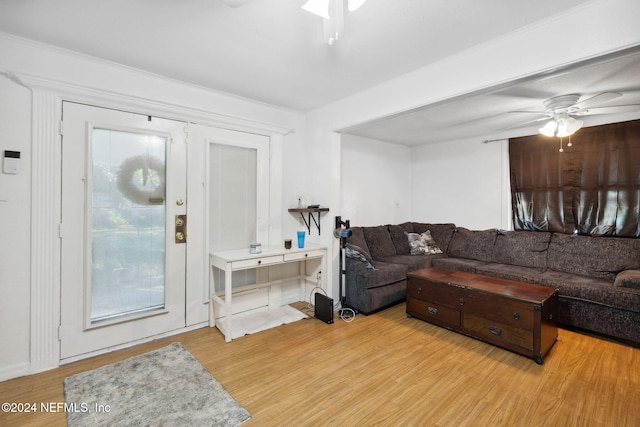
pixel 123 265
pixel 231 202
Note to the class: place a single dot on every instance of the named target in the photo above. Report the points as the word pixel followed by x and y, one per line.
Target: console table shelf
pixel 236 260
pixel 310 212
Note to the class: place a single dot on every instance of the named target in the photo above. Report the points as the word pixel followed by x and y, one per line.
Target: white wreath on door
pixel 150 190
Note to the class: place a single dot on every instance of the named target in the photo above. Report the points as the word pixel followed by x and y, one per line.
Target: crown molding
pixel 111 99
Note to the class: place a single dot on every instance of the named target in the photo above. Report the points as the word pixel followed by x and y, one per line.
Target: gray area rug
pixel 166 387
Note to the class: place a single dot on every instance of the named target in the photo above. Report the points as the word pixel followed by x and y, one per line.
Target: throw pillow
pixel 356 252
pixel 422 243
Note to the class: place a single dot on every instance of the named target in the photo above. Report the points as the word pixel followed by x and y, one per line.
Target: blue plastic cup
pixel 301 239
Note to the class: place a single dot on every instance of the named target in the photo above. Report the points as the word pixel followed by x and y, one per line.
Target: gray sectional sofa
pixel 598 277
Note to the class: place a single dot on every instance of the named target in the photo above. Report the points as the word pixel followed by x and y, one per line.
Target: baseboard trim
pixel 14 371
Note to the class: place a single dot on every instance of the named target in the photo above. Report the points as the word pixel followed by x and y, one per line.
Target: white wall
pixel 15 198
pixel 463 182
pixel 375 182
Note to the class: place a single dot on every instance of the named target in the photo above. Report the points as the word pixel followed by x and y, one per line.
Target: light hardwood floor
pixel 388 370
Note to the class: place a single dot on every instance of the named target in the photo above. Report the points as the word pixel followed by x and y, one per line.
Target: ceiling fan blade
pixel 614 109
pixel 527 123
pixel 598 99
pixel 539 113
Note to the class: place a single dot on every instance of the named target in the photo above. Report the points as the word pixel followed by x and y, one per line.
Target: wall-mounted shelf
pixel 310 212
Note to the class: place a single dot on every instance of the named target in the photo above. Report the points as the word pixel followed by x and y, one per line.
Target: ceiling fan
pixel 331 12
pixel 562 110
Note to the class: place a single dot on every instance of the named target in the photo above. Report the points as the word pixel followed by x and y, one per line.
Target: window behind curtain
pixel 593 187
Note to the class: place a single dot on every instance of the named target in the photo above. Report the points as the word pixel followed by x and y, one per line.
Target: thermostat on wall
pixel 11 162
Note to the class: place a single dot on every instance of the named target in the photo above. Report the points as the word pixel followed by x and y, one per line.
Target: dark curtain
pixel 592 187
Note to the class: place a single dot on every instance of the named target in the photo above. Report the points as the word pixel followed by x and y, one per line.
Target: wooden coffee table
pixel 517 316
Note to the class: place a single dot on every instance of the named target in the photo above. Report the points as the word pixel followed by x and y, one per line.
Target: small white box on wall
pixel 11 162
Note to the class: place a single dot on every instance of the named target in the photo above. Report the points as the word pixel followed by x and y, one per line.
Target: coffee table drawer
pixel 491 330
pixel 446 295
pixel 431 312
pixel 504 310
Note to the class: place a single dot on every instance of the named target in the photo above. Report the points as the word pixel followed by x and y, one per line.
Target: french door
pixel 124 191
pixel 235 196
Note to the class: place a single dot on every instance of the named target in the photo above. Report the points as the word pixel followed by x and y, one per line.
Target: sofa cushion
pixel 422 243
pixel 554 278
pixel 602 257
pixel 398 235
pixel 413 262
pixel 357 239
pixel 592 289
pixel 628 279
pixel 461 264
pixel 524 248
pixel 511 272
pixel 379 241
pixel 470 244
pixel 441 233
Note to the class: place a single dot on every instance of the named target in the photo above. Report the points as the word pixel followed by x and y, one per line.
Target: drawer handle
pixel 461 301
pixel 495 330
pixel 419 290
pixel 259 261
pixel 516 316
pixel 432 310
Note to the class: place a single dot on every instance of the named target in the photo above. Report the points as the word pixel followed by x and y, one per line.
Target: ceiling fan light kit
pixel 317 7
pixel 332 13
pixel 561 109
pixel 561 126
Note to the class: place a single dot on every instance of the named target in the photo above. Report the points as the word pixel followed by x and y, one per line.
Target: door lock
pixel 181 229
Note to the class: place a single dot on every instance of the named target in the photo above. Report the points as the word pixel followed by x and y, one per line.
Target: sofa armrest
pixel 356 253
pixel 628 279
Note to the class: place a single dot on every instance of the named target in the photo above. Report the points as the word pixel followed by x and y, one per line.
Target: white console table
pixel 241 259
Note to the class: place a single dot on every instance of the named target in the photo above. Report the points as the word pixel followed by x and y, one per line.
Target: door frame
pixel 46 143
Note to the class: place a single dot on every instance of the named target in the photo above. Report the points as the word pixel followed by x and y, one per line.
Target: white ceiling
pixel 272 51
pixel 499 112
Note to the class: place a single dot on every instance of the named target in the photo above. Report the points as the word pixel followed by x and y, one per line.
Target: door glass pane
pixel 128 223
pixel 233 203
